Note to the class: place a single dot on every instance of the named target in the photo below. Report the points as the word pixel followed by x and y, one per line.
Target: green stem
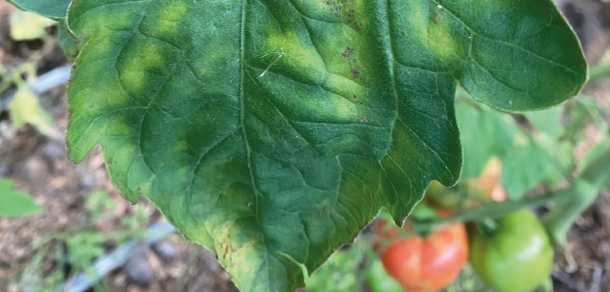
pixel 592 180
pixel 569 203
pixel 490 210
pixel 562 216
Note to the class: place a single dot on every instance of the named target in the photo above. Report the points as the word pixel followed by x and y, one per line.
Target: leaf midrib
pixel 242 124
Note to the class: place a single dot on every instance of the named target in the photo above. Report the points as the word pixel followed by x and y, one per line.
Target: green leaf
pixel 341 271
pixel 55 9
pixel 272 131
pixel 15 203
pixel 68 44
pixel 548 121
pixel 583 111
pixel 525 161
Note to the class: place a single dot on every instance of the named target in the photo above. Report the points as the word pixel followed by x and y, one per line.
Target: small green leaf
pixel 272 131
pixel 84 247
pixel 15 203
pixel 55 9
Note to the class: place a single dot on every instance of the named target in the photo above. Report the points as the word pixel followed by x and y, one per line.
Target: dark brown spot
pixel 355 73
pixel 438 18
pixel 347 53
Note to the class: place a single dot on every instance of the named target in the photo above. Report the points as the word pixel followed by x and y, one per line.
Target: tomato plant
pixel 516 255
pixel 272 131
pixel 425 263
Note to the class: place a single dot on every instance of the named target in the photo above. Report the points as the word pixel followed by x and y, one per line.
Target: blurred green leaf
pixel 593 154
pixel 84 247
pixel 25 108
pixel 340 271
pixel 98 203
pixel 423 211
pixel 467 281
pixel 547 121
pixel 380 281
pixel 487 132
pixel 136 219
pixel 28 25
pixel 15 203
pixel 580 112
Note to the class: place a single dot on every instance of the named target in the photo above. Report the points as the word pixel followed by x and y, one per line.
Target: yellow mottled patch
pixel 135 80
pixel 344 87
pixel 163 28
pixel 120 19
pixel 103 46
pixel 441 38
pixel 138 66
pixel 232 251
pixel 151 56
pixel 173 11
pixel 120 126
pixel 344 109
pixel 298 57
pixel 419 20
pixel 318 6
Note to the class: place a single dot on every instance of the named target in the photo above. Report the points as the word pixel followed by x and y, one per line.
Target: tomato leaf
pixel 68 45
pixel 55 9
pixel 272 131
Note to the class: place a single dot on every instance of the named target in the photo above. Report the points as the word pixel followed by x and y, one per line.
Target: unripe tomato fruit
pixel 516 257
pixel 427 264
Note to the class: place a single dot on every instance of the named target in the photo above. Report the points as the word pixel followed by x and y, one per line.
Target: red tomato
pixel 427 264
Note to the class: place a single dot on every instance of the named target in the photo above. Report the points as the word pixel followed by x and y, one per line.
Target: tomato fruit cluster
pixel 511 254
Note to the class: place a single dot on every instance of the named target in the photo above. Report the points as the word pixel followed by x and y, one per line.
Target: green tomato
pixel 517 256
pixel 380 281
